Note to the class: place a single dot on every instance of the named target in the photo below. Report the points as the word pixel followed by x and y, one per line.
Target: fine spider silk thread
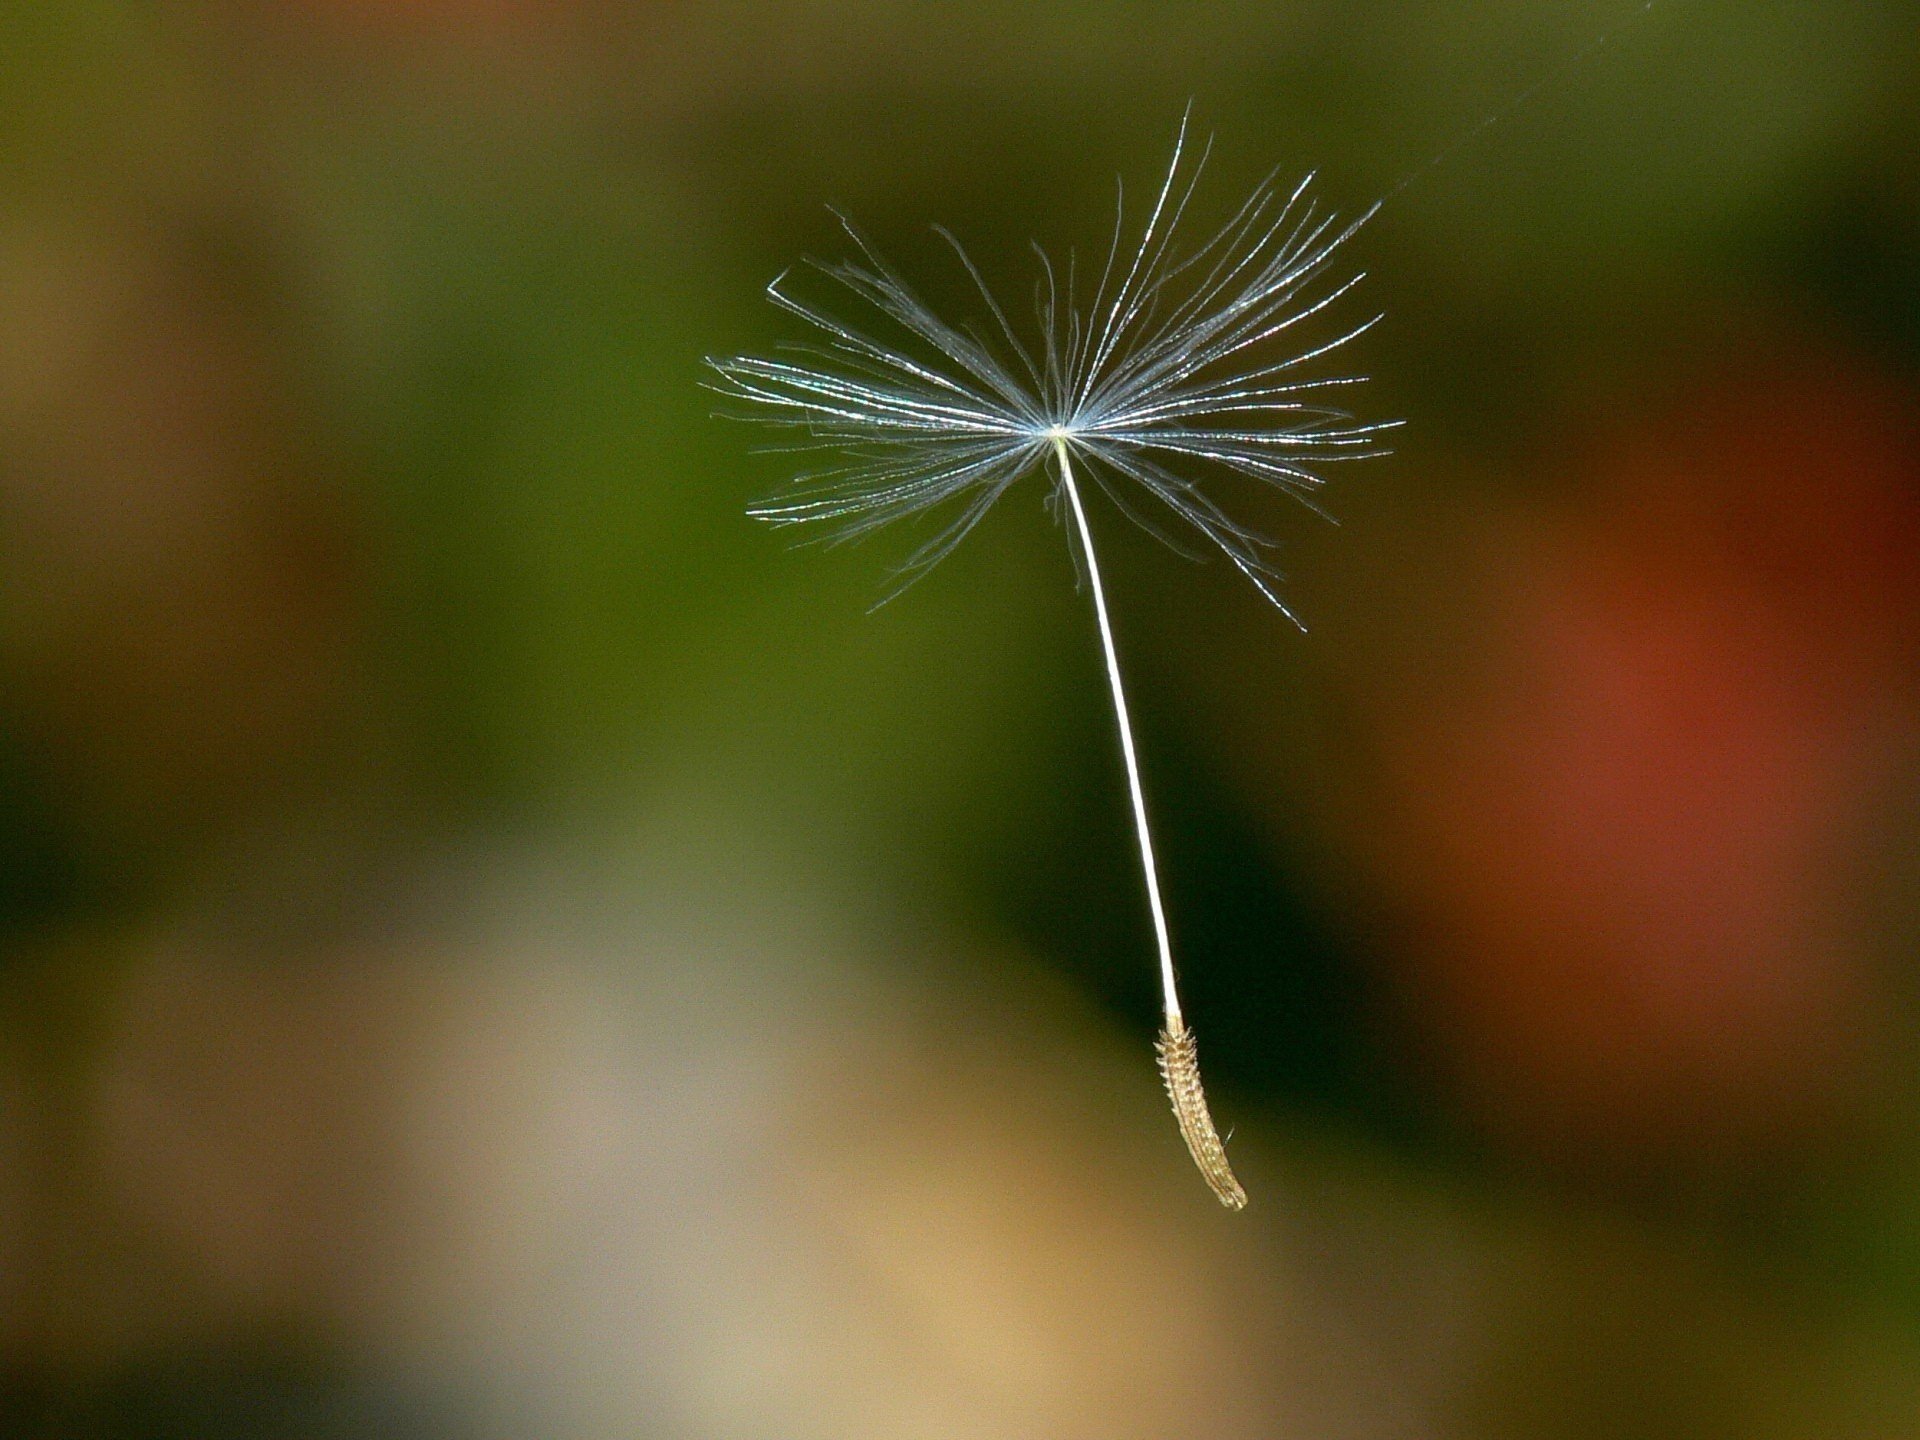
pixel 1175 365
pixel 1554 75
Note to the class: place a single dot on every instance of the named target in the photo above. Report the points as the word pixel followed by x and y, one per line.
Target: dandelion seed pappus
pixel 1178 368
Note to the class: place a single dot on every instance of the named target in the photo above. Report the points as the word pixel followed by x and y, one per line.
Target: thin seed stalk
pixel 1179 1058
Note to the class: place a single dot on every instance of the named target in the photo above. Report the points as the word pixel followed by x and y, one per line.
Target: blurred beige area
pixel 691 1169
pixel 491 944
pixel 695 1176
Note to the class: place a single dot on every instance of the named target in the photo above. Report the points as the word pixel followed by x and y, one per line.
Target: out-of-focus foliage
pixel 492 942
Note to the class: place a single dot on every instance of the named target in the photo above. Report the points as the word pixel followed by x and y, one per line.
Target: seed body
pixel 1180 1068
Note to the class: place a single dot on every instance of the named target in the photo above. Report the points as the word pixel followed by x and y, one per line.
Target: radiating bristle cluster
pixel 1180 1068
pixel 1172 366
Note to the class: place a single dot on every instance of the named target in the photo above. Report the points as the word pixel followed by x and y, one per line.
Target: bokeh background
pixel 492 943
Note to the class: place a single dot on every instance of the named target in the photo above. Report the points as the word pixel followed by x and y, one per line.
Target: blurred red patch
pixel 1639 832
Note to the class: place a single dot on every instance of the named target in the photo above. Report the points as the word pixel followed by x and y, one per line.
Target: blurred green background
pixel 494 943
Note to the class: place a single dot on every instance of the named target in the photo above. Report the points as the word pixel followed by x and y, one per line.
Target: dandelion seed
pixel 1179 368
